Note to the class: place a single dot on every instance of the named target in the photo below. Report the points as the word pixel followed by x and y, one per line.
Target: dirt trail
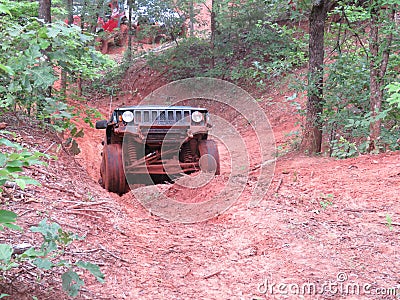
pixel 321 220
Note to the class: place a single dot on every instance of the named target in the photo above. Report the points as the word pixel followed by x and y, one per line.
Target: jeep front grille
pixel 163 135
pixel 162 117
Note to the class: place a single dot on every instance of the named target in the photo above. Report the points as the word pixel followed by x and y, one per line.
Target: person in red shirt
pixel 113 23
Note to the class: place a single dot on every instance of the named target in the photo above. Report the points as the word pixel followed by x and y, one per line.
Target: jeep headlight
pixel 127 116
pixel 197 117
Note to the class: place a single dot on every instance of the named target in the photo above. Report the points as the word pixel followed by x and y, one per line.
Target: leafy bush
pixel 31 67
pixel 247 45
pixel 190 58
pixel 347 117
pixel 264 52
pixel 394 94
pixel 32 57
pixel 48 257
pixel 13 158
pixel 347 113
pixel 20 9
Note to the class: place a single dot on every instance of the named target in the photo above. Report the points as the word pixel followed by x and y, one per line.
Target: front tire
pixel 112 170
pixel 122 35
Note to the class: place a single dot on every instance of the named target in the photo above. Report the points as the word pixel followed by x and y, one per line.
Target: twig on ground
pixel 52 144
pixel 93 210
pixel 279 185
pixel 26 212
pixel 57 220
pixel 79 204
pixel 80 213
pixel 112 254
pixel 68 201
pixel 392 223
pixel 256 167
pixel 41 171
pixel 212 274
pixel 83 251
pixel 360 210
pixel 61 189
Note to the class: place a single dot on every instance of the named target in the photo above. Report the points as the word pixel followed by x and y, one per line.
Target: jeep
pixel 155 140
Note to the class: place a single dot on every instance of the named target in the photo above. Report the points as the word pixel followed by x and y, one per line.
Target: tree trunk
pixel 83 16
pixel 63 79
pixel 191 18
pixel 45 14
pixel 70 10
pixel 375 99
pixel 45 10
pixel 129 58
pixel 312 134
pixel 64 74
pixel 378 65
pixel 213 25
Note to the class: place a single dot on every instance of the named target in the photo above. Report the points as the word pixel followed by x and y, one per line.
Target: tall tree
pixel 64 79
pixel 70 11
pixel 45 10
pixel 129 58
pixel 191 18
pixel 213 28
pixel 380 40
pixel 312 134
pixel 45 14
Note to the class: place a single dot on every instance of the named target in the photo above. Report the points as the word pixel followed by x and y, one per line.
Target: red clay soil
pixel 326 228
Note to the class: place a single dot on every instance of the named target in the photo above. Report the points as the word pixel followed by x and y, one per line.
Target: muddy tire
pixel 122 36
pixel 112 170
pixel 104 46
pixel 210 162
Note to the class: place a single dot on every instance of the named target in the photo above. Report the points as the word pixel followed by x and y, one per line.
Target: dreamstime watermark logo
pixel 238 123
pixel 340 286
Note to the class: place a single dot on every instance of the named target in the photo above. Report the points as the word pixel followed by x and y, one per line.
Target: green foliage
pixel 168 13
pixel 55 240
pixel 347 116
pixel 6 262
pixel 282 52
pixel 327 200
pixel 48 257
pixel 351 10
pixel 20 9
pixel 389 222
pixel 7 219
pixel 71 282
pixel 53 236
pixel 4 10
pixel 13 157
pixel 255 22
pixel 41 50
pixel 262 53
pixel 197 59
pixel 108 85
pixel 347 113
pixel 342 148
pixel 346 94
pixel 31 57
pixel 235 15
pixel 248 46
pixel 394 94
